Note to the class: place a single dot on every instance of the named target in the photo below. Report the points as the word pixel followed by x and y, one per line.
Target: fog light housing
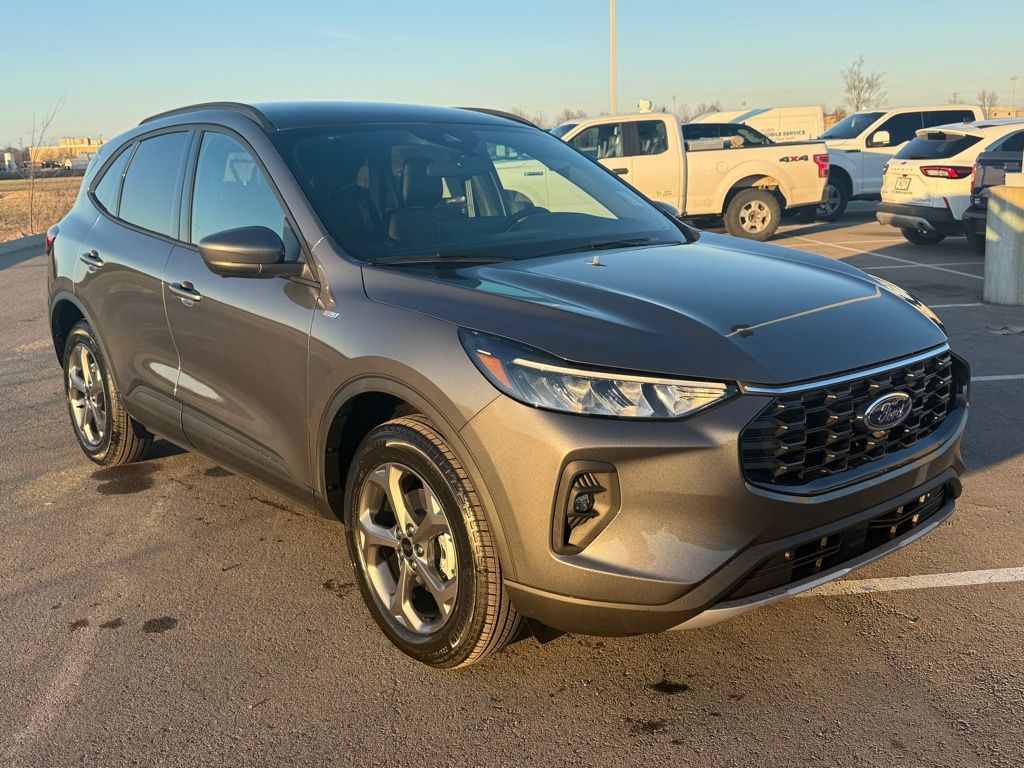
pixel 586 501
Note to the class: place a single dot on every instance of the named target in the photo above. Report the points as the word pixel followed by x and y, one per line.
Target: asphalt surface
pixel 170 613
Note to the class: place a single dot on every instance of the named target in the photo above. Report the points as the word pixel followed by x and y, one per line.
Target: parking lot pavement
pixel 170 612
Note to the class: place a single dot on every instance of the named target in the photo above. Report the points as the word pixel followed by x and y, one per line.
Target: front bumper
pixel 922 218
pixel 689 528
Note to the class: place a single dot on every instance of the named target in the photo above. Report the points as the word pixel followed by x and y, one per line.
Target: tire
pixel 105 431
pixel 922 238
pixel 753 214
pixel 975 240
pixel 834 201
pixel 443 626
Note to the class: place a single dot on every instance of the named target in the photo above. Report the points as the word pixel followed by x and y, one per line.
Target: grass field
pixel 53 198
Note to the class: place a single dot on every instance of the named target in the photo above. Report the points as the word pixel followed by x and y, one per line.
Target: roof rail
pixel 499 113
pixel 231 106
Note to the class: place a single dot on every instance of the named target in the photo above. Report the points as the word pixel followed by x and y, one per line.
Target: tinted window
pixel 700 131
pixel 600 141
pixel 1012 143
pixel 901 128
pixel 740 135
pixel 935 146
pixel 231 191
pixel 947 116
pixel 851 126
pixel 561 130
pixel 651 137
pixel 151 183
pixel 109 186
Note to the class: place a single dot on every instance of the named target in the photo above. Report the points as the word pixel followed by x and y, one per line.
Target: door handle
pixel 92 260
pixel 620 171
pixel 186 292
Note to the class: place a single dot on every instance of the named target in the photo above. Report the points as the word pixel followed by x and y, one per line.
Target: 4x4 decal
pixel 793 158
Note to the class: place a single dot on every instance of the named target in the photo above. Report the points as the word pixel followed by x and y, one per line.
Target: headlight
pixel 536 378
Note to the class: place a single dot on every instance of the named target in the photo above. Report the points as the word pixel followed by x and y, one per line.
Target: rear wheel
pixel 105 431
pixel 975 239
pixel 423 553
pixel 753 214
pixel 833 201
pixel 922 238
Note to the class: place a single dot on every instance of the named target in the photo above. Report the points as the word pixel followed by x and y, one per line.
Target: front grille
pixel 826 552
pixel 812 434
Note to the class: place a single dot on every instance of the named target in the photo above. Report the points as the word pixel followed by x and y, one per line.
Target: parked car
pixel 927 185
pixel 861 144
pixel 1002 157
pixel 595 419
pixel 780 124
pixel 707 173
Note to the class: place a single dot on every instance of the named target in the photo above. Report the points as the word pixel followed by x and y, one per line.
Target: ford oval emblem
pixel 887 411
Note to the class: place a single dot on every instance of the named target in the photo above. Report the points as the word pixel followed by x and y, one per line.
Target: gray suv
pixel 537 401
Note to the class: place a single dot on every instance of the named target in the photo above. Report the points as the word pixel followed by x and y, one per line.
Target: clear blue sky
pixel 116 62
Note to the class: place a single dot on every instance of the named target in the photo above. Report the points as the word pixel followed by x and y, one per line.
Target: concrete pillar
pixel 1004 246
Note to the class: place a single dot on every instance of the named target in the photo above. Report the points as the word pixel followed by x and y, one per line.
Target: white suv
pixel 862 143
pixel 927 186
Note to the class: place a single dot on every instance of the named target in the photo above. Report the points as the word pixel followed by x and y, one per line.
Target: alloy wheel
pixel 87 396
pixel 830 202
pixel 755 217
pixel 405 543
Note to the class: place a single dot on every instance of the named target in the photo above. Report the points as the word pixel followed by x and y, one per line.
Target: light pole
pixel 1013 92
pixel 614 73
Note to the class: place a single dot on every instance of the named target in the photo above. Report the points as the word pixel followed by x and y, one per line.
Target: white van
pixel 780 124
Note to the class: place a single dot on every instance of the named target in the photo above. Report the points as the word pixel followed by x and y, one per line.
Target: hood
pixel 718 308
pixel 841 145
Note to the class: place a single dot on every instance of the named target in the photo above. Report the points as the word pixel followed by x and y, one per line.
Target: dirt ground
pixel 53 198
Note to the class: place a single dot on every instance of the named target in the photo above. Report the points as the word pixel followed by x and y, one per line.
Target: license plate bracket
pixel 902 183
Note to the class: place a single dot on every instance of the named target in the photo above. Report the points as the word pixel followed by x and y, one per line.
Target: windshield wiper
pixel 436 258
pixel 603 245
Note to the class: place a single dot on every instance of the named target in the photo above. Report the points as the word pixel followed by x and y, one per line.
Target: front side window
pixel 901 128
pixel 108 188
pixel 851 126
pixel 231 191
pixel 151 183
pixel 389 193
pixel 600 141
pixel 652 137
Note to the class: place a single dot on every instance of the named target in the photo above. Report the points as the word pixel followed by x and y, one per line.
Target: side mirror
pixel 669 209
pixel 880 139
pixel 247 252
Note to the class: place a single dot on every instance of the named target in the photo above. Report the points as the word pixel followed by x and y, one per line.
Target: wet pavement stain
pixel 78 624
pixel 113 623
pixel 649 726
pixel 162 624
pixel 340 588
pixel 270 503
pixel 669 687
pixel 132 478
pixel 217 472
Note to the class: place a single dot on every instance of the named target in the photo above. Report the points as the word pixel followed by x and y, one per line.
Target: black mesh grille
pixel 812 434
pixel 826 552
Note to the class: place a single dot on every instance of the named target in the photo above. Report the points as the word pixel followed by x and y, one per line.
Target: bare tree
pixel 686 114
pixel 537 118
pixel 568 114
pixel 37 138
pixel 861 89
pixel 987 100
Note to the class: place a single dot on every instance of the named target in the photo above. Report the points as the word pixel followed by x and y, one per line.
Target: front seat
pixel 420 217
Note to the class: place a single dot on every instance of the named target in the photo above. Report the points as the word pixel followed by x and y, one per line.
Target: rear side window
pixel 901 128
pixel 652 137
pixel 1012 143
pixel 600 141
pixel 108 188
pixel 231 191
pixel 936 146
pixel 948 116
pixel 151 183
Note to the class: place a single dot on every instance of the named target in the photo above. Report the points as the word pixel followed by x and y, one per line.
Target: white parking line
pixel 951 306
pixel 1007 377
pixel 928 581
pixel 913 266
pixel 886 256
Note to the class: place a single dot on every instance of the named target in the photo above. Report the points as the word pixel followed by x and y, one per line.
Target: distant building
pixel 65 149
pixel 995 112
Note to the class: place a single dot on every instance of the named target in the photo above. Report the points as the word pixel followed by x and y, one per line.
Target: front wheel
pixel 753 214
pixel 833 201
pixel 105 431
pixel 922 238
pixel 422 550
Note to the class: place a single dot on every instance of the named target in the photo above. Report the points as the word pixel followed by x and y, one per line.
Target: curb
pixel 23 243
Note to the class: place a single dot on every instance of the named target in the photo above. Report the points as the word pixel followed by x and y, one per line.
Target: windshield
pixel 936 146
pixel 560 130
pixel 391 193
pixel 851 126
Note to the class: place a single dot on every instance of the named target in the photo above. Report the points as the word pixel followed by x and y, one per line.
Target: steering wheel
pixel 520 216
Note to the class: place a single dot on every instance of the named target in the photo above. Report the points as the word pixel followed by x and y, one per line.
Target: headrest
pixel 419 188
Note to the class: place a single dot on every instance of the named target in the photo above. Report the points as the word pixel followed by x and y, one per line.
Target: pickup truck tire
pixel 922 238
pixel 423 553
pixel 833 201
pixel 753 214
pixel 975 240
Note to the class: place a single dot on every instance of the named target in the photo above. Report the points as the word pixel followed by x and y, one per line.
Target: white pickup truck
pixel 861 144
pixel 747 184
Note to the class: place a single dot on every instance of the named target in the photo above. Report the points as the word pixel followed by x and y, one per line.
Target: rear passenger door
pixel 242 341
pixel 657 168
pixel 119 273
